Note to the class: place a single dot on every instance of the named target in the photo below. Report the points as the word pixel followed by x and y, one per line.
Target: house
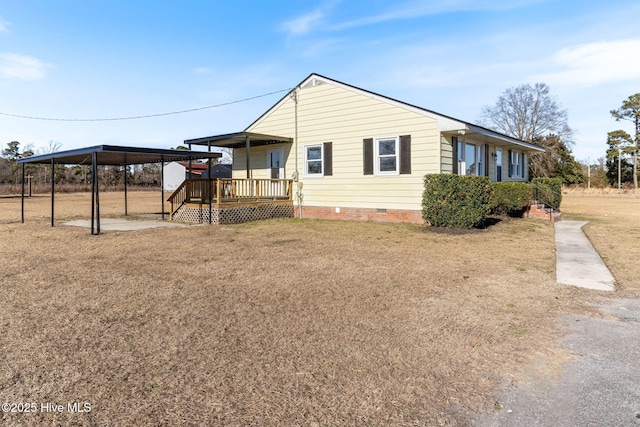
pixel 175 173
pixel 355 154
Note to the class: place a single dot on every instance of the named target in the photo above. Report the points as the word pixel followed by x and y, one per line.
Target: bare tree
pixel 52 147
pixel 531 114
pixel 528 113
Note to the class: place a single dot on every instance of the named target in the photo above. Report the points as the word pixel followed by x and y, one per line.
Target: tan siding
pixel 492 163
pixel 446 160
pixel 328 113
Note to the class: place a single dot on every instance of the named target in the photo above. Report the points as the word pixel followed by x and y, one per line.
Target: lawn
pixel 279 322
pixel 614 230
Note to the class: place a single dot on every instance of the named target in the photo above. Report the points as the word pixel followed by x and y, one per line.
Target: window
pixel 386 156
pixel 516 164
pixel 313 160
pixel 471 159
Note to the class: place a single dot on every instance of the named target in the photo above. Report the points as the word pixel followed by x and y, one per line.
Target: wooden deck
pixel 212 196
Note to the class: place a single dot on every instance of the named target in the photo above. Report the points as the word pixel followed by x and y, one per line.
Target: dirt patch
pixel 279 322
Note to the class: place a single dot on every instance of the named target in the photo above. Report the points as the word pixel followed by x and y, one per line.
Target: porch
pixel 231 201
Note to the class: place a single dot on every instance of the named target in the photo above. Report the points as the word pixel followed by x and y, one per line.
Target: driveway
pixel 599 386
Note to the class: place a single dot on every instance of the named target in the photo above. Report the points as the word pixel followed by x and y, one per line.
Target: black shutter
pixel 327 155
pixel 367 151
pixel 405 154
pixel 486 160
pixel 524 165
pixel 510 164
pixel 454 155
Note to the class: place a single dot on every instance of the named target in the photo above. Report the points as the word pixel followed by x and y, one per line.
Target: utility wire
pixel 144 116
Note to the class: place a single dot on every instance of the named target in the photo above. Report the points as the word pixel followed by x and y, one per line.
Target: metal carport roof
pixel 114 155
pixel 108 155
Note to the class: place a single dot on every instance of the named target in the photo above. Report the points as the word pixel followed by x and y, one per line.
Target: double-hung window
pixel 313 160
pixel 386 156
pixel 517 164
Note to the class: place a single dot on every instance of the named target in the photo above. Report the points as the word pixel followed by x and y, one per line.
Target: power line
pixel 143 116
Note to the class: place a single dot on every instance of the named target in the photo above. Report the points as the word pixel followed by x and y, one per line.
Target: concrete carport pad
pixel 119 224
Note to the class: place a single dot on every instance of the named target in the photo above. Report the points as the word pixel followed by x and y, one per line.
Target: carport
pixel 109 155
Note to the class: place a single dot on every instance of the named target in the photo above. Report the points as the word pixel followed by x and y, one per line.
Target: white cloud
pixel 303 24
pixel 15 66
pixel 202 70
pixel 307 23
pixel 596 63
pixel 415 9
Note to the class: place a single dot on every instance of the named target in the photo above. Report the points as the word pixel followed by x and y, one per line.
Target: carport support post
pixel 97 184
pixel 53 176
pixel 125 190
pixel 22 199
pixel 162 182
pixel 93 192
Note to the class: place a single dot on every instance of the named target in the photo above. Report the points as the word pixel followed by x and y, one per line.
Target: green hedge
pixel 548 190
pixel 510 198
pixel 455 201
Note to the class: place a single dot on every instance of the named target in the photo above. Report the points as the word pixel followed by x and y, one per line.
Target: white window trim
pixel 480 157
pixel 376 156
pixel 306 160
pixel 462 164
pixel 517 160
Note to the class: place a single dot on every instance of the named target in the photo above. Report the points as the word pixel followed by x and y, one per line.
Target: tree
pixel 630 110
pixel 12 152
pixel 620 150
pixel 11 155
pixel 566 166
pixel 531 114
pixel 556 161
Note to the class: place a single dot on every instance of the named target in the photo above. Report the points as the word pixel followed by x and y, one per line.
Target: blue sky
pixel 104 59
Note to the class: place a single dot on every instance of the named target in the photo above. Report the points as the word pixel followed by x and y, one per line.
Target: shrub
pixel 510 198
pixel 548 190
pixel 455 201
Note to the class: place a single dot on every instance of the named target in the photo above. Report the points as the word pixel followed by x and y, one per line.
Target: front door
pixel 498 165
pixel 275 163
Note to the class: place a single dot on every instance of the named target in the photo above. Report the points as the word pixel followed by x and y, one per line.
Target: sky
pixel 88 59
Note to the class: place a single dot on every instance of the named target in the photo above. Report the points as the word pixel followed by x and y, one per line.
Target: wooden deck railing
pixel 230 190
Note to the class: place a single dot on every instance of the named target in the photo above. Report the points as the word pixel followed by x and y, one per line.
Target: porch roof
pixel 239 140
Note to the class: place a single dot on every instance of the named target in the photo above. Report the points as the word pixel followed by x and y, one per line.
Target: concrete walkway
pixel 577 262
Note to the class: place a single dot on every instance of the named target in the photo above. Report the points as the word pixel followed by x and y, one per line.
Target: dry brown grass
pixel 614 230
pixel 281 322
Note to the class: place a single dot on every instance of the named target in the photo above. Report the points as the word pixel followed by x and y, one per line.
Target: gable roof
pixel 446 124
